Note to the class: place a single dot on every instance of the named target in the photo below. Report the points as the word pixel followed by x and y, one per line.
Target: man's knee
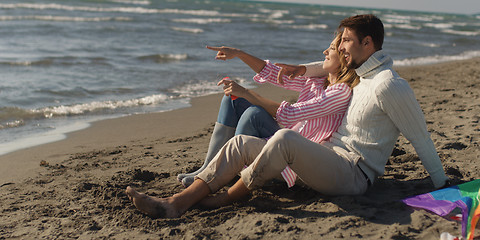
pixel 282 141
pixel 244 147
pixel 285 136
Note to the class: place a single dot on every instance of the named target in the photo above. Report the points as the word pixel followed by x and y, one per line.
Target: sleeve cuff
pixel 314 69
pixel 439 178
pixel 262 76
pixel 279 117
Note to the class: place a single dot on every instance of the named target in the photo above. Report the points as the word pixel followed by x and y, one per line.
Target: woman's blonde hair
pixel 344 74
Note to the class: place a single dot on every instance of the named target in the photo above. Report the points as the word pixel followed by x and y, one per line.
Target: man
pixel 383 105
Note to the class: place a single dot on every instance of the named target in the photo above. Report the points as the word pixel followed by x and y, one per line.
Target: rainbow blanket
pixel 464 197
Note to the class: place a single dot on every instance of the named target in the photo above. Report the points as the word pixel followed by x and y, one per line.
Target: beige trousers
pixel 328 170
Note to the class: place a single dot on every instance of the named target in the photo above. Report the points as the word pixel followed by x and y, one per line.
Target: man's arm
pixel 314 69
pixel 397 99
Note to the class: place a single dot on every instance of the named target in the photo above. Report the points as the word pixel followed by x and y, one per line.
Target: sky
pixel 445 6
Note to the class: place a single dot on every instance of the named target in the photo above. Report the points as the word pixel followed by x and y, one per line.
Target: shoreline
pixel 63 132
pixel 78 191
pixel 108 133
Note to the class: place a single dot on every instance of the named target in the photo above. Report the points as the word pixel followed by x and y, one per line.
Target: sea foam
pixel 436 59
pixel 64 18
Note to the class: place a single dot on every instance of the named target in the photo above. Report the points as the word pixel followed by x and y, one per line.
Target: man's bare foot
pixel 152 206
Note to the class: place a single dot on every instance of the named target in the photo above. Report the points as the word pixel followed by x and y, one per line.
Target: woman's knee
pixel 226 113
pixel 226 100
pixel 226 104
pixel 254 112
pixel 256 116
pixel 253 122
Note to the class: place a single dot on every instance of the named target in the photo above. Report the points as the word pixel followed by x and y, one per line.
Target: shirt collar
pixel 373 64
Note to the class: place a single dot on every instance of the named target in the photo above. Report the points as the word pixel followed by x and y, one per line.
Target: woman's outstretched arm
pixel 226 53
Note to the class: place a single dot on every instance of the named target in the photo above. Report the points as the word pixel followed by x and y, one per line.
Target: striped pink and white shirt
pixel 317 113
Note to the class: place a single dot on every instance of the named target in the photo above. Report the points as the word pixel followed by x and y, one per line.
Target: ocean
pixel 67 63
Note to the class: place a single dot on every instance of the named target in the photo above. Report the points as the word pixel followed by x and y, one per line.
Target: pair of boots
pixel 221 134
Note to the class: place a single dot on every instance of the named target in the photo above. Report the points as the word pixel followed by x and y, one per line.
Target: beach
pixel 74 188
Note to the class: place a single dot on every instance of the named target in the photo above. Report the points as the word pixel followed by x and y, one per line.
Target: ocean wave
pixel 439 25
pixel 202 20
pixel 337 13
pixel 188 30
pixel 267 10
pixel 12 124
pixel 396 20
pixel 403 26
pixel 64 18
pixel 11 117
pixel 164 58
pixel 274 13
pixel 431 45
pixel 44 62
pixel 272 21
pixel 137 2
pixel 190 90
pixel 83 92
pixel 61 61
pixel 240 15
pixel 436 59
pixel 79 109
pixel 306 17
pixel 53 6
pixel 140 10
pixel 462 33
pixel 190 12
pixel 310 26
pixel 409 18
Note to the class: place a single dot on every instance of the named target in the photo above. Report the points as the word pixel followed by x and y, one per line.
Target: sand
pixel 74 188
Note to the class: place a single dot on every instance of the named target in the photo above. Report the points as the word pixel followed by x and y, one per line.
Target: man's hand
pixel 447 184
pixel 292 71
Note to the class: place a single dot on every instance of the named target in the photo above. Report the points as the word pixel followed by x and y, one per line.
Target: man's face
pixel 352 49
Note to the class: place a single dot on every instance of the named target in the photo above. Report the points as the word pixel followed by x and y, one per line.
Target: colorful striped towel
pixel 465 197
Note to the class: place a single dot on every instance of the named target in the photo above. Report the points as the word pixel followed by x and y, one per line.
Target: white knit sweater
pixel 383 105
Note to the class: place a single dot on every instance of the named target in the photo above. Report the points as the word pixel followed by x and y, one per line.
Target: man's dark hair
pixel 366 25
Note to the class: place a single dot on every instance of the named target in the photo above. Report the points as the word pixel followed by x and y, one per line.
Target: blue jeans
pixel 248 119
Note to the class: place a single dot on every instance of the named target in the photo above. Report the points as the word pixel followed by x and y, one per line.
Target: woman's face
pixel 332 59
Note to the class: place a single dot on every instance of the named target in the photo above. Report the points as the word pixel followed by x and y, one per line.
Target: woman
pixel 316 115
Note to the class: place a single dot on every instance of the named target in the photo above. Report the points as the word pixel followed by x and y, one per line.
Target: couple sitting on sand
pixel 336 139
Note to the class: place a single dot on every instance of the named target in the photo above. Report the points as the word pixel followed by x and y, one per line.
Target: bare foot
pixel 152 206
